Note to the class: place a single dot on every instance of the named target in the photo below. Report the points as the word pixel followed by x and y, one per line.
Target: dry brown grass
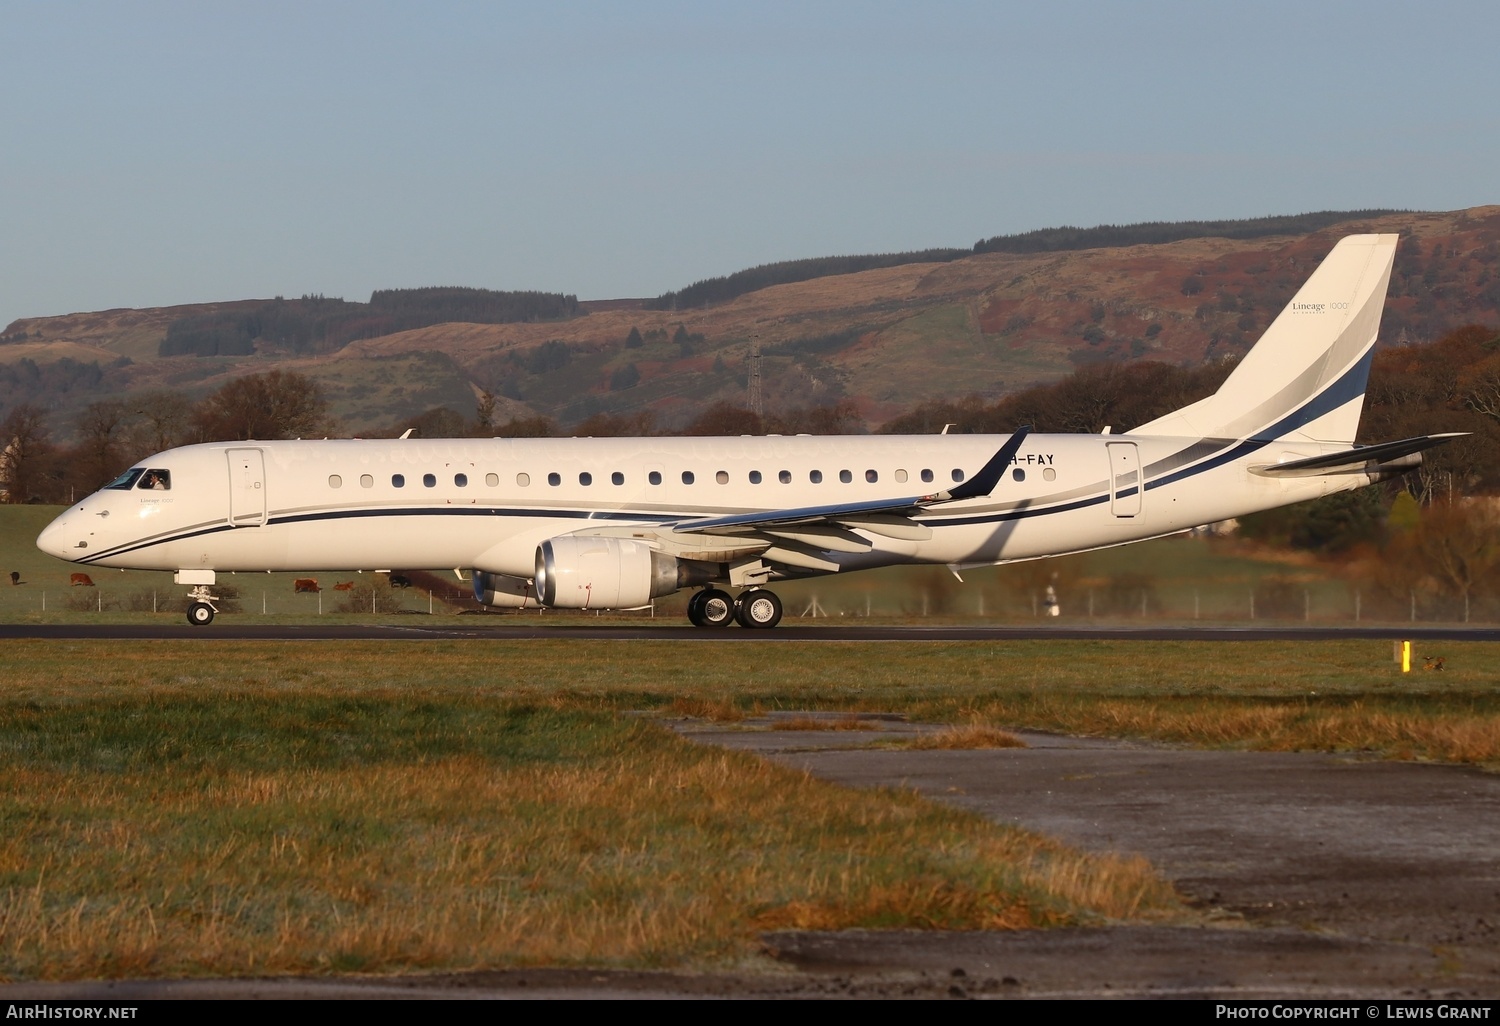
pixel 1457 734
pixel 720 710
pixel 968 736
pixel 311 832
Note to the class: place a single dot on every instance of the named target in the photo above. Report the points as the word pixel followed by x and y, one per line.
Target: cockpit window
pixel 125 480
pixel 156 480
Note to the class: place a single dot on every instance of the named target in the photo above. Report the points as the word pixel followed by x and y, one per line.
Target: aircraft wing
pixel 1358 458
pixel 882 516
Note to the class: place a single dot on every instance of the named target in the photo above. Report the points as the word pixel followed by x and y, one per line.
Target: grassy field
pixel 189 808
pixel 205 806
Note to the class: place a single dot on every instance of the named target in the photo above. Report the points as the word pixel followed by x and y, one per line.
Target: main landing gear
pixel 712 607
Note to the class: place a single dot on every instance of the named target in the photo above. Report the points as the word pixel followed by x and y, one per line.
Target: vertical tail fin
pixel 1305 378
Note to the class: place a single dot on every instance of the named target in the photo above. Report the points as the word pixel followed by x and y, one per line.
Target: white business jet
pixel 612 523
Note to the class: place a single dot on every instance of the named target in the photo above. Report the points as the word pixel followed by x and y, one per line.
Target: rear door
pixel 1124 479
pixel 247 488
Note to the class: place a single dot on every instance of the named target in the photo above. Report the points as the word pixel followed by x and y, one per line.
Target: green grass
pixel 188 809
pixel 208 806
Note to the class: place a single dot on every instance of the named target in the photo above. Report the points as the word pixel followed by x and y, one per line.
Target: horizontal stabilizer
pixel 1356 458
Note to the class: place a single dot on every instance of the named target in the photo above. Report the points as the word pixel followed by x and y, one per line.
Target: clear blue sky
pixel 157 152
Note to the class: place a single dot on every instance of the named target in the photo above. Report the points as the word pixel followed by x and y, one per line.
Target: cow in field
pixel 344 586
pixel 80 581
pixel 305 584
pixel 400 581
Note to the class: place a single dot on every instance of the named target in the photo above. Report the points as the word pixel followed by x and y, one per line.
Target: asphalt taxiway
pixel 514 629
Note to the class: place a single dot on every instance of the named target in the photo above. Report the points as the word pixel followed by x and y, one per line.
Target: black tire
pixel 200 614
pixel 695 609
pixel 715 608
pixel 758 609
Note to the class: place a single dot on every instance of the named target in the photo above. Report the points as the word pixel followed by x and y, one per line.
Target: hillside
pixel 887 338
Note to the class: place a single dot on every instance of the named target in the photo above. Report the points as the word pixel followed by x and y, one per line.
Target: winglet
pixel 988 477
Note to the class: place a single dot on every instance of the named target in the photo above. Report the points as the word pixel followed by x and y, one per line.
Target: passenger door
pixel 247 488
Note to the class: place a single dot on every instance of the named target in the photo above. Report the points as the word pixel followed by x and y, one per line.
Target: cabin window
pixel 493 480
pixel 366 481
pixel 126 479
pixel 816 476
pixel 398 480
pixel 334 481
pixel 585 478
pixel 755 477
pixel 1018 474
pixel 871 476
pixel 845 476
pixel 722 477
pixel 687 477
pixel 958 475
pixel 927 476
pixel 554 479
pixel 461 480
pixel 654 477
pixel 901 477
pixel 785 477
pixel 156 480
pixel 617 478
pixel 1048 474
pixel 429 480
pixel 523 480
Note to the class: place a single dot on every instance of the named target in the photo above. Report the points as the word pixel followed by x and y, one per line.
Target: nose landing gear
pixel 756 608
pixel 200 612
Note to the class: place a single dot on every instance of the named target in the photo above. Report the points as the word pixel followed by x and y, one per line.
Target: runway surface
pixel 512 630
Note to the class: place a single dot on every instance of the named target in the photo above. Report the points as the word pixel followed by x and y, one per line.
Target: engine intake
pixel 583 572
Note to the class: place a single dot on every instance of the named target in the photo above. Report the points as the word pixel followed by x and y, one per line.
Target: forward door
pixel 247 488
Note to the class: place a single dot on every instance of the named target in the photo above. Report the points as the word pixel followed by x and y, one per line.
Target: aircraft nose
pixel 57 539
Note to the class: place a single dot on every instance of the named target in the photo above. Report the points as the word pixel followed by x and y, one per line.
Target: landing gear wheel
pixel 711 608
pixel 200 614
pixel 758 608
pixel 695 609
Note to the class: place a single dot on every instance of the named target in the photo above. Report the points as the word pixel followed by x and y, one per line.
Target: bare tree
pixel 100 454
pixel 277 404
pixel 162 420
pixel 1458 545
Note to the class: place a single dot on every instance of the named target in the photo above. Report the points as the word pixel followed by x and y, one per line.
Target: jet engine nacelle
pixel 504 591
pixel 582 572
